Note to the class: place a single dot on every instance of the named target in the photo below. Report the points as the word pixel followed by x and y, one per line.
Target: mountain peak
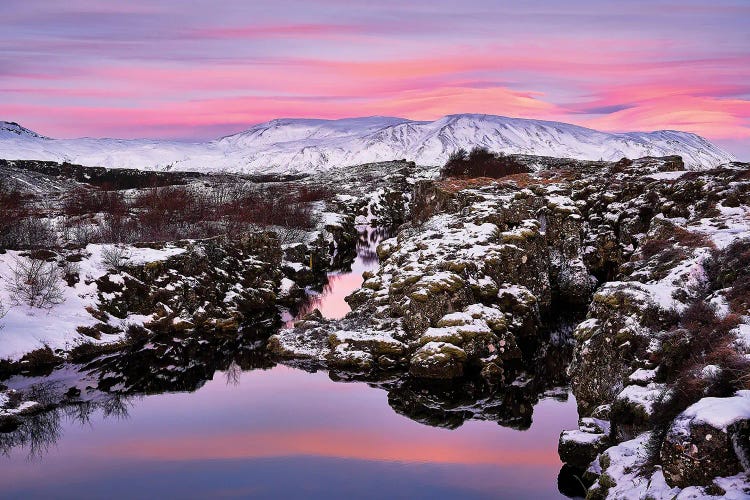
pixel 7 128
pixel 308 145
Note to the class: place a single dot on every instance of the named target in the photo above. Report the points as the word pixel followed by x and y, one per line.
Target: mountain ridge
pixel 309 144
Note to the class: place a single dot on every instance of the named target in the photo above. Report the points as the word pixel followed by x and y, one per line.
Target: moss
pixel 604 461
pixel 227 325
pixel 606 481
pixel 458 267
pixel 451 337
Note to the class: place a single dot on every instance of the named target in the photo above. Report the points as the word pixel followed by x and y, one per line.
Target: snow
pixel 581 437
pixel 645 397
pixel 26 329
pixel 719 413
pixel 625 461
pixel 289 145
pixel 295 266
pixel 743 337
pixel 667 176
pixel 286 285
pixel 729 227
pixel 642 375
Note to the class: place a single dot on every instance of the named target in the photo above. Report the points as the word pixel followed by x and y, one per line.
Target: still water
pixel 331 301
pixel 286 433
pixel 245 427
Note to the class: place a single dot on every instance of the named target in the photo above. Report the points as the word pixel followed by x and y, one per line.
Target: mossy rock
pixel 438 360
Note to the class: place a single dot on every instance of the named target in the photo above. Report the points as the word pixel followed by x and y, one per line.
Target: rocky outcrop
pixel 213 286
pixel 639 360
pixel 465 286
pixel 581 446
pixel 709 439
pixel 460 289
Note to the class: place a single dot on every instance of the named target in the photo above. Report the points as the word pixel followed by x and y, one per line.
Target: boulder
pixel 439 360
pixel 579 447
pixel 708 439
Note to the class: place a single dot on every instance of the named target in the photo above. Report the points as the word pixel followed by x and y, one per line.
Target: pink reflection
pixel 331 302
pixel 325 442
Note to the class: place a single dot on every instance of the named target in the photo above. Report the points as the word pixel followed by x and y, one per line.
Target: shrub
pixel 35 282
pixel 307 194
pixel 114 257
pixel 20 226
pixel 481 162
pixel 40 358
pixel 699 333
pixel 87 201
pixel 71 271
pixel 701 339
pixel 118 228
pixel 77 232
pixel 728 269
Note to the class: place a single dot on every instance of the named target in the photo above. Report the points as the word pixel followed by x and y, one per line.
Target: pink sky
pixel 204 69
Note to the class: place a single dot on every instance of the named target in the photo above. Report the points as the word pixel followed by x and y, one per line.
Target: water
pixel 330 301
pixel 245 427
pixel 287 433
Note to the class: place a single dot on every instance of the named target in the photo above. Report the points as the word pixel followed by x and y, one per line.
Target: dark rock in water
pixel 570 482
pixel 9 423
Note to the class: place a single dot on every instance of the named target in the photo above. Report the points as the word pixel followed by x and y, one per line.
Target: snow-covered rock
pixel 710 438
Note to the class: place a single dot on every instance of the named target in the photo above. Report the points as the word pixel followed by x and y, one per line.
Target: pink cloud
pixel 610 83
pixel 296 31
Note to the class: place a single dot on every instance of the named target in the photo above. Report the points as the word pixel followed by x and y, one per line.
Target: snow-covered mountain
pixel 303 145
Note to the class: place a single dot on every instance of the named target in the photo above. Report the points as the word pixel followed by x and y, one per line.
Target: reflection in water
pixel 210 415
pixel 253 438
pixel 331 300
pixel 270 425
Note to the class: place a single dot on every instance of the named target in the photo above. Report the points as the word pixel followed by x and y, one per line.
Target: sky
pixel 199 69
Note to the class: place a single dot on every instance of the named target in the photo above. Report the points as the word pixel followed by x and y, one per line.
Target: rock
pixel 439 360
pixel 707 440
pixel 368 341
pixel 345 356
pixel 581 446
pixel 9 423
pixel 615 334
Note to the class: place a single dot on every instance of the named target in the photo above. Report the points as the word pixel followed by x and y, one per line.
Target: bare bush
pixel 314 193
pixel 115 257
pixel 3 312
pixel 481 162
pixel 26 233
pixel 35 282
pixel 289 235
pixel 78 232
pixel 90 201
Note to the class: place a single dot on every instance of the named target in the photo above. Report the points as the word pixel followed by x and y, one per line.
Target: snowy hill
pixel 303 145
